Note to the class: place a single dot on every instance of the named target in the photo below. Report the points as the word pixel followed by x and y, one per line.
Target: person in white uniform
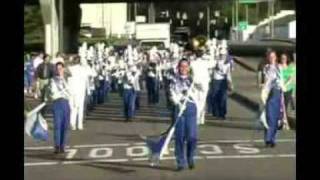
pixel 201 77
pixel 221 80
pixel 77 83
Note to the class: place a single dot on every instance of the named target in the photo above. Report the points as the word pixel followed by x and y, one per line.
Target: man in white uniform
pixel 201 76
pixel 77 83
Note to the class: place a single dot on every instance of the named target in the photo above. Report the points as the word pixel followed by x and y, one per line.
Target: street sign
pixel 243 25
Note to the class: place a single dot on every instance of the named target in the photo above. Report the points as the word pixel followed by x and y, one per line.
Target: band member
pixel 152 83
pixel 78 84
pixel 60 95
pixel 221 79
pixel 186 128
pixel 129 92
pixel 200 70
pixel 271 98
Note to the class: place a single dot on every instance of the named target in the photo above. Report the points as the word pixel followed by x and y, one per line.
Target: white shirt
pixel 222 70
pixel 200 69
pixel 131 80
pixel 78 82
pixel 59 88
pixel 37 61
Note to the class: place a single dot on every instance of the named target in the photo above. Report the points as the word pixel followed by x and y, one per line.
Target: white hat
pixel 223 51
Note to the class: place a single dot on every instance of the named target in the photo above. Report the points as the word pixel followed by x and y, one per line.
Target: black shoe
pixel 191 166
pixel 56 150
pixel 270 144
pixel 62 150
pixel 179 169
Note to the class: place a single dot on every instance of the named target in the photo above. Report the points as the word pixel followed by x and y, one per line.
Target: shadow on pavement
pixel 49 155
pixel 123 167
pixel 130 137
pixel 253 106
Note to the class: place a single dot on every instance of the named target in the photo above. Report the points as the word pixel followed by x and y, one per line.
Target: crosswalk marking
pixel 261 156
pixel 142 143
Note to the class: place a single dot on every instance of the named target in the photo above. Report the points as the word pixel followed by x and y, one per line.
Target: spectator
pixel 44 72
pixel 288 73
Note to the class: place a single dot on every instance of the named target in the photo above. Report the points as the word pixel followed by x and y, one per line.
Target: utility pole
pixel 272 20
pixel 208 21
pixel 135 11
pixel 233 7
pixel 237 19
pixel 247 13
pixel 61 41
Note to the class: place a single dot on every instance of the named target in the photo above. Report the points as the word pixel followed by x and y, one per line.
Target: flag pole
pixel 36 109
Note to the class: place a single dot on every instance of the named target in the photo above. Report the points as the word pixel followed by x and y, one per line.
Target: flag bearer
pixel 186 129
pixel 271 98
pixel 60 95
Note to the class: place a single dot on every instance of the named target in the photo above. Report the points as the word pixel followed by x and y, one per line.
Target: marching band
pixel 98 70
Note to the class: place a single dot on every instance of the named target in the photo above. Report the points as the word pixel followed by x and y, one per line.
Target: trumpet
pixel 199 43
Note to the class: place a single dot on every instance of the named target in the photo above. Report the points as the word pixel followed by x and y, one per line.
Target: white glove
pixel 175 99
pixel 264 96
pixel 263 119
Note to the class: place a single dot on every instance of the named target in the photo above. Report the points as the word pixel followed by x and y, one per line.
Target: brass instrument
pixel 199 43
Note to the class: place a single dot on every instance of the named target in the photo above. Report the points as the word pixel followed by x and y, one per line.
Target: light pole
pixel 208 21
pixel 61 49
pixel 247 13
pixel 233 24
pixel 272 21
pixel 237 19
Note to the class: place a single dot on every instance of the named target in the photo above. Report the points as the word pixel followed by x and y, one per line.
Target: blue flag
pixel 36 126
pixel 155 145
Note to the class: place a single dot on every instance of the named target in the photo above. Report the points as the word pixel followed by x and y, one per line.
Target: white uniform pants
pixel 201 103
pixel 76 116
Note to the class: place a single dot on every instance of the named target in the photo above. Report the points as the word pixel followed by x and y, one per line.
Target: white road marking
pixel 106 152
pixel 164 158
pixel 97 160
pixel 100 145
pixel 211 149
pixel 244 149
pixel 252 156
pixel 41 164
pixel 136 151
pixel 142 143
pixel 140 159
pixel 137 144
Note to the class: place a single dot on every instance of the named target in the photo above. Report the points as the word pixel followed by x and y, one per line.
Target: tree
pixel 33 24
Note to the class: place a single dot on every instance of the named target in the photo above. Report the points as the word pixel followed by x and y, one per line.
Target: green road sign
pixel 252 1
pixel 243 25
pixel 247 1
